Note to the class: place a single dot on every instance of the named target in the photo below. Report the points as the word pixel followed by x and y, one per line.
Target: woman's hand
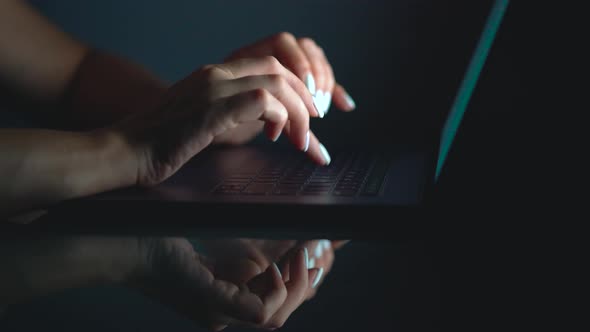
pixel 304 58
pixel 213 100
pixel 240 259
pixel 166 269
pixel 205 290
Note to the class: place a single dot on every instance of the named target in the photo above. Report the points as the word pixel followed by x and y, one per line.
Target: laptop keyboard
pixel 349 174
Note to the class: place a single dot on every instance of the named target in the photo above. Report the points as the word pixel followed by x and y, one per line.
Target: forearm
pixel 37 60
pixel 42 167
pixel 46 66
pixel 107 88
pixel 34 266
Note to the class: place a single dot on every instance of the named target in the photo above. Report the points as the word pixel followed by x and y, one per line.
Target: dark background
pixel 399 59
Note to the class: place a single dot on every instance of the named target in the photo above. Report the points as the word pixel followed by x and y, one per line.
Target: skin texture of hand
pixel 255 255
pixel 213 100
pixel 216 294
pixel 165 269
pixel 306 60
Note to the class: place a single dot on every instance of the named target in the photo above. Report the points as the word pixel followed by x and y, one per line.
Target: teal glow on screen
pixel 469 82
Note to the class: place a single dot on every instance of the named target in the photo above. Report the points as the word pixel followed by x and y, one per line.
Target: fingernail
pixel 328 97
pixel 310 83
pixel 306 142
pixel 306 257
pixel 277 269
pixel 277 137
pixel 325 153
pixel 319 249
pixel 318 103
pixel 350 101
pixel 317 277
pixel 327 244
pixel 311 264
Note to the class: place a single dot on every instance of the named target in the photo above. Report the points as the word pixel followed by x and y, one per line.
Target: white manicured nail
pixel 277 269
pixel 306 142
pixel 327 244
pixel 318 102
pixel 317 277
pixel 328 97
pixel 325 153
pixel 311 264
pixel 306 257
pixel 277 137
pixel 319 249
pixel 350 101
pixel 310 83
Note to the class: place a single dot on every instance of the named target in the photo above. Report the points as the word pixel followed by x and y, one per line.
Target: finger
pixel 285 48
pixel 296 290
pixel 257 104
pixel 310 246
pixel 325 265
pixel 319 247
pixel 285 267
pixel 266 65
pixel 281 317
pixel 245 306
pixel 312 52
pixel 342 99
pixel 277 85
pixel 284 262
pixel 322 73
pixel 316 151
pixel 272 278
pixel 331 80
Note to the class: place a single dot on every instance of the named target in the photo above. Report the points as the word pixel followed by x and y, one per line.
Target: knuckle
pixel 302 67
pixel 260 96
pixel 284 36
pixel 306 41
pixel 213 72
pixel 273 63
pixel 303 115
pixel 284 116
pixel 276 80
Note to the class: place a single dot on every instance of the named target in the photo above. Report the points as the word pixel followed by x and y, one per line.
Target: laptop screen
pixel 469 81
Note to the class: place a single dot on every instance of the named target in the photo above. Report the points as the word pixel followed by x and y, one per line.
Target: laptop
pixel 399 175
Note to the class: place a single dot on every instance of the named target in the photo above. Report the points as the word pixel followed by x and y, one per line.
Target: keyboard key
pixel 295 175
pixel 313 193
pixel 259 188
pixel 344 192
pixel 285 192
pixel 376 178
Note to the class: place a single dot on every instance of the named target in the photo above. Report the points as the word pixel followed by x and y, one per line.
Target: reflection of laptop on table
pixel 247 177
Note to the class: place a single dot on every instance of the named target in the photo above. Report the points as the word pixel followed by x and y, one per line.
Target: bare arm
pixel 35 266
pixel 87 87
pixel 82 88
pixel 36 59
pixel 42 167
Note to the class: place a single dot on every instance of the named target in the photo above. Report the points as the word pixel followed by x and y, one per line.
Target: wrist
pixel 108 88
pixel 38 266
pixel 110 260
pixel 113 164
